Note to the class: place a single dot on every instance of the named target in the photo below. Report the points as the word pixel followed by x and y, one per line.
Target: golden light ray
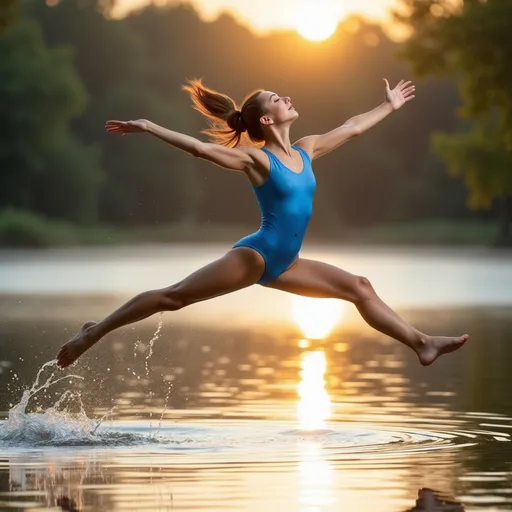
pixel 314 405
pixel 316 317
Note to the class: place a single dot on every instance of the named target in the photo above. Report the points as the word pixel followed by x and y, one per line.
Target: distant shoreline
pixel 22 230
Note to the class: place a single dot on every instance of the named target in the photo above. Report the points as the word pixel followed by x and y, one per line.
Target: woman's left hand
pixel 401 94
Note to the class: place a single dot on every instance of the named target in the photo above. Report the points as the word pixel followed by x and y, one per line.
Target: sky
pixel 265 15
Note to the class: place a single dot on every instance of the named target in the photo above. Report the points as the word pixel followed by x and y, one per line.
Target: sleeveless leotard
pixel 286 204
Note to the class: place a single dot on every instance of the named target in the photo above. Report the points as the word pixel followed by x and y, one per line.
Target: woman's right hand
pixel 124 127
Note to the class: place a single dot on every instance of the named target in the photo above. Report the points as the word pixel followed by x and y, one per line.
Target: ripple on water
pixel 255 440
pixel 258 440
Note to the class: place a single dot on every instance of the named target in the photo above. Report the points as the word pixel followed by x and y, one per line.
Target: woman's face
pixel 278 109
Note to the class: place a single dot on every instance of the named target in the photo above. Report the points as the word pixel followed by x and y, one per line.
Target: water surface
pixel 311 412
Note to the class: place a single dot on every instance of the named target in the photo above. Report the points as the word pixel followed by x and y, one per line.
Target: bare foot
pixel 436 346
pixel 74 348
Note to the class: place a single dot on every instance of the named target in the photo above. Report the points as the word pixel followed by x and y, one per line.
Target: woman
pixel 284 184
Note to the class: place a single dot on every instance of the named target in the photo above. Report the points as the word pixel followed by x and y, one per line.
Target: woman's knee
pixel 362 289
pixel 173 298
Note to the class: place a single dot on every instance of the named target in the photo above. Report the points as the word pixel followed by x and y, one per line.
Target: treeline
pixel 470 43
pixel 67 67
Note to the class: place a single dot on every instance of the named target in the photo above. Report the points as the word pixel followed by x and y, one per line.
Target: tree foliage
pixel 470 42
pixel 42 165
pixel 133 68
pixel 8 12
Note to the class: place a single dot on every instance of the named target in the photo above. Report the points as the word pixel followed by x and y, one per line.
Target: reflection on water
pixel 316 478
pixel 54 481
pixel 67 504
pixel 314 406
pixel 313 409
pixel 258 419
pixel 316 317
pixel 432 501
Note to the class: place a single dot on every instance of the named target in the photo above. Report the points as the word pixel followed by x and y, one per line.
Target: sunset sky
pixel 264 15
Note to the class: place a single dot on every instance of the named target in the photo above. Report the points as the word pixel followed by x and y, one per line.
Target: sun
pixel 316 317
pixel 316 21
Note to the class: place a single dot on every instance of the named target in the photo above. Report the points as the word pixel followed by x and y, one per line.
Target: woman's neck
pixel 279 139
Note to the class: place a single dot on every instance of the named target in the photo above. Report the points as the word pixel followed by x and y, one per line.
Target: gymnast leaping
pixel 282 178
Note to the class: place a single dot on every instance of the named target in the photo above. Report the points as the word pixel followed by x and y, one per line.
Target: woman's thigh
pixel 237 269
pixel 317 279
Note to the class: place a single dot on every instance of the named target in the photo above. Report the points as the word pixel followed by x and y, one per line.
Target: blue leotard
pixel 286 204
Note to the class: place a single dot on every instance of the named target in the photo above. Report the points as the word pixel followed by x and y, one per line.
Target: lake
pixel 256 400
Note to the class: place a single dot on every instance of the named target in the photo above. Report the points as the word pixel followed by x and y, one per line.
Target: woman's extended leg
pixel 239 268
pixel 316 279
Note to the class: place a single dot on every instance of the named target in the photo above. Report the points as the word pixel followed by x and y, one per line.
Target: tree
pixel 8 11
pixel 483 160
pixel 134 67
pixel 470 41
pixel 146 181
pixel 40 93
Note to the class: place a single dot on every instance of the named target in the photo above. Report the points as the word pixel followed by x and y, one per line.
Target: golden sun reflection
pixel 316 475
pixel 314 405
pixel 316 317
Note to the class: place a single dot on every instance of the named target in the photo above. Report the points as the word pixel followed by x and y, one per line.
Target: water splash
pixel 148 357
pixel 57 425
pixel 168 394
pixel 112 409
pixel 138 345
pixel 152 342
pixel 54 425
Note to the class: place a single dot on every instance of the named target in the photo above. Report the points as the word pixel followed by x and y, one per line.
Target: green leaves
pixel 8 12
pixel 482 160
pixel 40 94
pixel 471 42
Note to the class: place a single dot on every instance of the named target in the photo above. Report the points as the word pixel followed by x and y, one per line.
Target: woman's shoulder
pixel 257 154
pixel 306 149
pixel 306 145
pixel 259 171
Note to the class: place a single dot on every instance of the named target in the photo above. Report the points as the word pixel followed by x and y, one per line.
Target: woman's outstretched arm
pixel 318 145
pixel 236 159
